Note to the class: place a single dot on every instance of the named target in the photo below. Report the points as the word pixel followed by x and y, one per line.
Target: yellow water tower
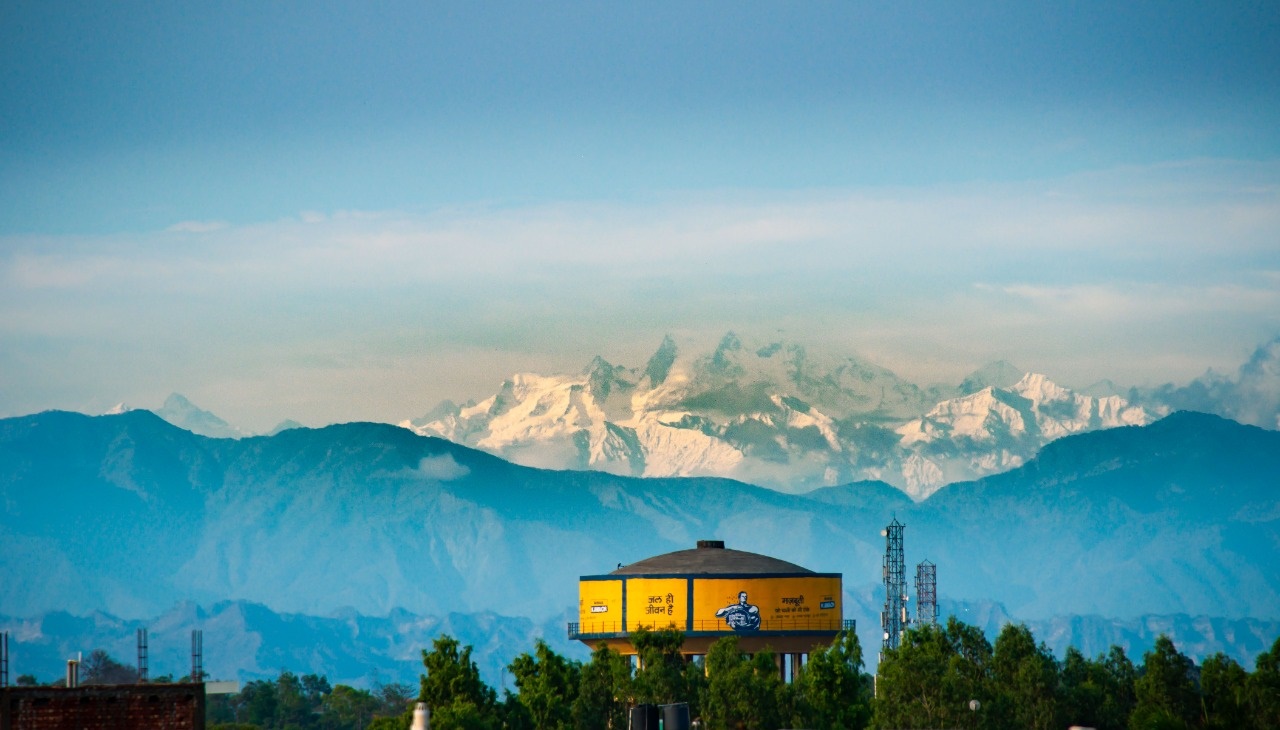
pixel 711 592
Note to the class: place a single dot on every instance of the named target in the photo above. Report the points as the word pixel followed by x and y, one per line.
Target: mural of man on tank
pixel 741 616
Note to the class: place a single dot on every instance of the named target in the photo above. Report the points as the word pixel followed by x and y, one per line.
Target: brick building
pixel 103 707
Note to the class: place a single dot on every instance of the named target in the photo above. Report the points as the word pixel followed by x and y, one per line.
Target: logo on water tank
pixel 741 616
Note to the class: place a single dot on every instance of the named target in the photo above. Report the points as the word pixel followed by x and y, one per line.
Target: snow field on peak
pixel 750 416
pixel 544 407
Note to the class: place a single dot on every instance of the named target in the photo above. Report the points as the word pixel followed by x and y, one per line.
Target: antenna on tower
pixel 4 659
pixel 197 655
pixel 894 616
pixel 927 593
pixel 142 656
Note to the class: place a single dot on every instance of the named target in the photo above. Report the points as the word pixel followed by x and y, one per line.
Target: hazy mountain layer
pixel 131 515
pixel 186 415
pixel 247 641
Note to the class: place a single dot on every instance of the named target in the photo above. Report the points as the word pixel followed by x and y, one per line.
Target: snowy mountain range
pixel 779 416
pixel 776 416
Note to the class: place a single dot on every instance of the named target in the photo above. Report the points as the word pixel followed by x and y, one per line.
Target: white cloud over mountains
pixel 333 316
pixel 441 468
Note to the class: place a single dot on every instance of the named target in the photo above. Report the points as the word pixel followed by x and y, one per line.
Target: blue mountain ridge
pixel 246 641
pixel 128 515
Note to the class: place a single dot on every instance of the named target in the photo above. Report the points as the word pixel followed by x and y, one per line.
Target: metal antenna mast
pixel 197 655
pixel 927 593
pixel 894 617
pixel 142 656
pixel 4 659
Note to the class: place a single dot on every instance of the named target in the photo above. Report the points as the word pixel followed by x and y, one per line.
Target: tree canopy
pixel 929 681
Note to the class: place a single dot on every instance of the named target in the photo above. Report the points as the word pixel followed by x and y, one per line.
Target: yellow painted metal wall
pixel 600 606
pixel 769 604
pixel 793 603
pixel 657 603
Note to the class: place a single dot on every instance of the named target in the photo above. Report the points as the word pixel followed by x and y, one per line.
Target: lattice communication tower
pixel 927 593
pixel 197 655
pixel 142 656
pixel 894 617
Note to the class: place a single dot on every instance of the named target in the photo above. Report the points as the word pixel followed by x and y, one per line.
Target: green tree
pixel 1166 693
pixel 1097 693
pixel 100 668
pixel 548 685
pixel 513 714
pixel 661 678
pixel 742 691
pixel 258 702
pixel 929 680
pixel 1121 696
pixel 294 705
pixel 604 691
pixel 347 708
pixel 832 691
pixel 695 685
pixel 394 698
pixel 315 687
pixel 1026 676
pixel 1224 694
pixel 401 722
pixel 219 710
pixel 1264 688
pixel 1081 696
pixel 453 689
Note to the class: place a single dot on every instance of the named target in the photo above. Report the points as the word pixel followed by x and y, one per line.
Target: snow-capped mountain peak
pixel 184 414
pixel 1012 424
pixel 774 414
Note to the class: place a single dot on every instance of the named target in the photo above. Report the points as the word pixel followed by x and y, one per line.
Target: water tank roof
pixel 710 557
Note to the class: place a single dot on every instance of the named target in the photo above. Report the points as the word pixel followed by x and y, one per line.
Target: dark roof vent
pixel 717 544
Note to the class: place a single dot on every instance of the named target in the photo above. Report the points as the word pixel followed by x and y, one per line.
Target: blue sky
pixel 331 211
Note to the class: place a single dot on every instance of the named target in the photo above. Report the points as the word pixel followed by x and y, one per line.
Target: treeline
pixel 728 689
pixel 947 676
pixel 308 702
pixel 951 676
pixel 97 668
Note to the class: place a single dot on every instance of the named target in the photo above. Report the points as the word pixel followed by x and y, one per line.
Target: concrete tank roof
pixel 710 557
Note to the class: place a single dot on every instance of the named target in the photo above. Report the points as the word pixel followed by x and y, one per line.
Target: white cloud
pixel 1133 302
pixel 344 310
pixel 441 468
pixel 197 227
pixel 1130 221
